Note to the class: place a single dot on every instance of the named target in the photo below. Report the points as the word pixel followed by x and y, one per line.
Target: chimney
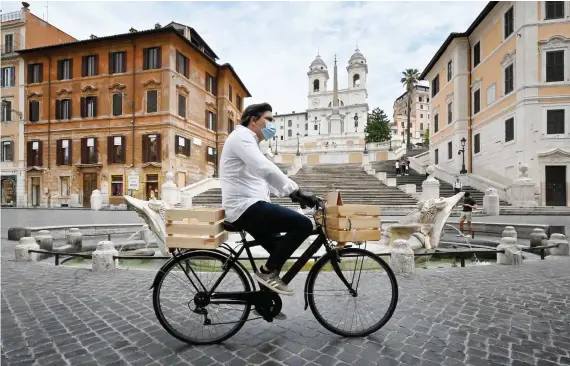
pixel 157 26
pixel 132 30
pixel 92 36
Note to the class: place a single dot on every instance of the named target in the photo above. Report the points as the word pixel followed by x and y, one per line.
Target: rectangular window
pixel 211 154
pixel 491 94
pixel 421 115
pixel 509 79
pixel 509 21
pixel 117 185
pixel 510 129
pixel 88 107
pixel 182 64
pixel 116 146
pixel 476 54
pixel 554 10
pixel 65 69
pixel 210 84
pixel 436 123
pixel 449 113
pixel 182 145
pixel 152 58
pixel 450 150
pixel 34 107
pixel 238 102
pixel 555 121
pixel 63 109
pixel 35 73
pixel 89 150
pixel 34 151
pixel 449 70
pixel 477 143
pixel 90 65
pixel 63 152
pixel 420 99
pixel 151 101
pixel 435 86
pixel 7 151
pixel 64 186
pixel 6 111
pixel 8 43
pixel 181 105
pixel 210 121
pixel 555 66
pixel 436 156
pixel 117 104
pixel 152 148
pixel 421 126
pixel 230 125
pixel 8 76
pixel 117 62
pixel 476 101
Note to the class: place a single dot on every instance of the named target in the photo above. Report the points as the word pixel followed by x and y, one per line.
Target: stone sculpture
pixel 153 213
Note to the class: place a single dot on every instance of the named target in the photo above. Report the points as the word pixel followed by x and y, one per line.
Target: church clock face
pixel 316 102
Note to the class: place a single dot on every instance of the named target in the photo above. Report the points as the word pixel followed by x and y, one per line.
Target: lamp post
pixel 462 151
pixel 356 122
pixel 298 152
pixel 276 141
pixel 390 149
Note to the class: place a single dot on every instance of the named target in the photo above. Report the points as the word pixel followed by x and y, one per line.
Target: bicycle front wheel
pixel 355 314
pixel 182 305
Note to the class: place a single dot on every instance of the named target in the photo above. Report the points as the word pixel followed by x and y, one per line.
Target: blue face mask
pixel 269 130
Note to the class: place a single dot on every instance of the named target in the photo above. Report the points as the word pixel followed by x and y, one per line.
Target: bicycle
pixel 206 300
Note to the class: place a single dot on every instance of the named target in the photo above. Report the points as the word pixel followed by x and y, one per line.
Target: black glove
pixel 304 198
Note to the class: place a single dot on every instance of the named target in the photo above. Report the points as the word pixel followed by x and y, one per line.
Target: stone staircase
pixel 355 185
pixel 445 189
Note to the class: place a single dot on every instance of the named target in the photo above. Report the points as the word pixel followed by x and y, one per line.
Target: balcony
pixel 10 48
pixel 8 17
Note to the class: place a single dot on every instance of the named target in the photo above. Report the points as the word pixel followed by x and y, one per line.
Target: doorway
pixel 35 191
pixel 555 185
pixel 151 186
pixel 89 185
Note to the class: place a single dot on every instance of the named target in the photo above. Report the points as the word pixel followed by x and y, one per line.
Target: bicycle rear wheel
pixel 182 306
pixel 339 311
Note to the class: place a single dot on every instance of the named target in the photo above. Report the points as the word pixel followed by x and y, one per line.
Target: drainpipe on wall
pixel 49 113
pixel 469 119
pixel 218 121
pixel 134 98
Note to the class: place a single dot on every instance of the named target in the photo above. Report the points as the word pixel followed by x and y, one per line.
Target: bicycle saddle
pixel 230 227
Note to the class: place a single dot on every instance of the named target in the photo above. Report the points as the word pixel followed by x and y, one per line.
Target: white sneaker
pixel 273 282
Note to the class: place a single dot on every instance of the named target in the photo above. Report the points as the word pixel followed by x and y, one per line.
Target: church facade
pixel 330 111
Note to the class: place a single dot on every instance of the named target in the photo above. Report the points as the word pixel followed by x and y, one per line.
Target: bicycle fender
pixel 312 272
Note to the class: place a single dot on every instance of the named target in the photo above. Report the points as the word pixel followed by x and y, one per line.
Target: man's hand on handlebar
pixel 304 198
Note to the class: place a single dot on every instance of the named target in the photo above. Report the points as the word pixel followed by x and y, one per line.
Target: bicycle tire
pixel 311 299
pixel 163 271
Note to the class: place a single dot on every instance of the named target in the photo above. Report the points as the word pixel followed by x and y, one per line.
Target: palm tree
pixel 409 81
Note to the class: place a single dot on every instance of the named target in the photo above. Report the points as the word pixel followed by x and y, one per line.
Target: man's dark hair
pixel 254 110
pixel 467 194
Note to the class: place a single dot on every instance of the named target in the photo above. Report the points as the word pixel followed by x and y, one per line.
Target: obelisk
pixel 335 119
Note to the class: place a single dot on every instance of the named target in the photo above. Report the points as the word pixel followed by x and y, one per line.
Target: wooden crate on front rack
pixel 351 223
pixel 195 228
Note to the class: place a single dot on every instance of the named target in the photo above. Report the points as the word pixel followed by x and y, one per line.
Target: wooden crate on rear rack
pixel 195 228
pixel 351 223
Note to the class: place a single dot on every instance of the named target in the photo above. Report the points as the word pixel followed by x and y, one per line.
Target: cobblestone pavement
pixel 482 315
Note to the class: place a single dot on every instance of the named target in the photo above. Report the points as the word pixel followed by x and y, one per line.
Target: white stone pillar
pixel 74 238
pixel 491 202
pixel 512 254
pixel 563 247
pixel 510 232
pixel 523 189
pixel 402 258
pixel 186 200
pixel 102 258
pixel 26 243
pixel 44 240
pixel 538 238
pixel 96 200
pixel 430 186
pixel 170 192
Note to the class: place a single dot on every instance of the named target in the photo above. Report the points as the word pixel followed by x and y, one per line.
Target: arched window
pixel 316 85
pixel 290 133
pixel 356 81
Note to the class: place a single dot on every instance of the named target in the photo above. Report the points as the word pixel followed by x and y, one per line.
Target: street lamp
pixel 298 152
pixel 356 122
pixel 462 151
pixel 276 140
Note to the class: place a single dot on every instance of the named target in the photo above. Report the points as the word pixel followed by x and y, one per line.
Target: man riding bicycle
pixel 246 178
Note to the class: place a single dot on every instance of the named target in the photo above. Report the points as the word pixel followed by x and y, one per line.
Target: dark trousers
pixel 457 190
pixel 265 221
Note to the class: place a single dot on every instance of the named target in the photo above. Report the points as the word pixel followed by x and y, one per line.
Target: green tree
pixel 378 126
pixel 426 137
pixel 409 79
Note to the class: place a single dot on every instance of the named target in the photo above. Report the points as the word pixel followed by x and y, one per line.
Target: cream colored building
pixel 504 86
pixel 419 116
pixel 20 29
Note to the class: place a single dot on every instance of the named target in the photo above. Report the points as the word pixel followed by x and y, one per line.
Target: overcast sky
pixel 271 44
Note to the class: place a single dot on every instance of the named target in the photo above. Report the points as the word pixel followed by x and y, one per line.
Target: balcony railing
pixel 15 15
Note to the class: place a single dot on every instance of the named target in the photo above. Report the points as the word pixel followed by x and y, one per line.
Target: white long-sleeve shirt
pixel 247 176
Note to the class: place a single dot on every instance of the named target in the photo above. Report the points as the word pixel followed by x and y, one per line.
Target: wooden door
pixel 555 182
pixel 89 185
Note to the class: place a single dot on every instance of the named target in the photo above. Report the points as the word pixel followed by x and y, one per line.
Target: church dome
pixel 318 64
pixel 357 58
